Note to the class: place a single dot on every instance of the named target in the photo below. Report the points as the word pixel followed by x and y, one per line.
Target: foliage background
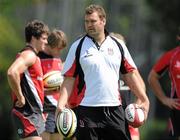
pixel 149 27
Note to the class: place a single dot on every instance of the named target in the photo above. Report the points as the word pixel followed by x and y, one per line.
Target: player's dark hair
pixel 35 28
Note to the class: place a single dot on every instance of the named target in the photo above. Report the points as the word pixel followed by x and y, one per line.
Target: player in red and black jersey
pixel 170 61
pixel 25 79
pixel 51 61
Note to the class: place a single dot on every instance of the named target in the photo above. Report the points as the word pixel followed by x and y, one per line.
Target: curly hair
pixel 35 28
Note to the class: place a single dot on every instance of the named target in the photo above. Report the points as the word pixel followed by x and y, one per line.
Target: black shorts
pixel 175 120
pixel 103 123
pixel 50 124
pixel 28 125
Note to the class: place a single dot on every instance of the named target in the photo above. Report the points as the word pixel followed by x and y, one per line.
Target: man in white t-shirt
pixel 100 114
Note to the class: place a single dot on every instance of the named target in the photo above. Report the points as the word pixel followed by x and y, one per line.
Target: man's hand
pixel 172 103
pixel 20 102
pixel 59 109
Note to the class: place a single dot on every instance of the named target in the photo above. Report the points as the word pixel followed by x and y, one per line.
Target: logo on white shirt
pixel 110 51
pixel 88 54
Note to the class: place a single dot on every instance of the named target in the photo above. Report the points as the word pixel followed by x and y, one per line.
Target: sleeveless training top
pixel 32 88
pixel 171 61
pixel 48 64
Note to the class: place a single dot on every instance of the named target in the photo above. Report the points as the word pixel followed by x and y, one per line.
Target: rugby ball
pixel 66 122
pixel 134 115
pixel 52 80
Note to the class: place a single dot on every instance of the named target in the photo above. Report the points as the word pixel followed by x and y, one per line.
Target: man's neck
pixel 33 45
pixel 100 38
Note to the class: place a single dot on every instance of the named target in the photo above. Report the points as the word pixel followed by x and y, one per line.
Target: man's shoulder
pixel 28 57
pixel 171 52
pixel 28 53
pixel 77 41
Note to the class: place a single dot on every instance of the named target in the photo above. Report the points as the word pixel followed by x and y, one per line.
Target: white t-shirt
pixel 101 70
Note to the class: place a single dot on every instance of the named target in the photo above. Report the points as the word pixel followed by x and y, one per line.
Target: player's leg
pixel 32 138
pixel 45 135
pixel 51 132
pixel 56 136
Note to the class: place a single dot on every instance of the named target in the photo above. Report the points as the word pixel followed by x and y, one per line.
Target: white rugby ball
pixel 52 80
pixel 66 122
pixel 134 115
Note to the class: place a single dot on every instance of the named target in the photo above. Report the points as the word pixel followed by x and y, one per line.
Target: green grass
pixel 153 129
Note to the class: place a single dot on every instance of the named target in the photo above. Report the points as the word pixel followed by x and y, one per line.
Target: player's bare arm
pixel 65 90
pixel 153 80
pixel 136 86
pixel 26 59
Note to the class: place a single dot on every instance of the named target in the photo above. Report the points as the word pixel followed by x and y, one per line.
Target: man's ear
pixel 104 21
pixel 33 38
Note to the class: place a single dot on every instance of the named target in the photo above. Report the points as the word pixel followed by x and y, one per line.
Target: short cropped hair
pixel 35 28
pixel 57 38
pixel 96 8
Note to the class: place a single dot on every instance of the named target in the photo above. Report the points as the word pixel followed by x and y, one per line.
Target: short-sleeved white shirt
pixel 101 70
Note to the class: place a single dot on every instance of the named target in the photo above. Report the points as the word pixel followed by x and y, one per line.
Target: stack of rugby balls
pixel 134 115
pixel 66 123
pixel 52 80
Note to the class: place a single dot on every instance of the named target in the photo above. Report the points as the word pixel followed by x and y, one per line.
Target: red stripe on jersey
pixel 76 97
pixel 126 67
pixel 71 71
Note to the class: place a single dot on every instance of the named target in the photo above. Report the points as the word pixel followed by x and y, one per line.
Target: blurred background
pixel 149 27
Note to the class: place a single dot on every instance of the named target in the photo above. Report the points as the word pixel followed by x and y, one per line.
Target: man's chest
pixel 105 56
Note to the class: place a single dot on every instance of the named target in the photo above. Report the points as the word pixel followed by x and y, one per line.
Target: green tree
pixel 165 19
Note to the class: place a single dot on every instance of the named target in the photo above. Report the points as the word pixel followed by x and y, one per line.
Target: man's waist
pixel 100 104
